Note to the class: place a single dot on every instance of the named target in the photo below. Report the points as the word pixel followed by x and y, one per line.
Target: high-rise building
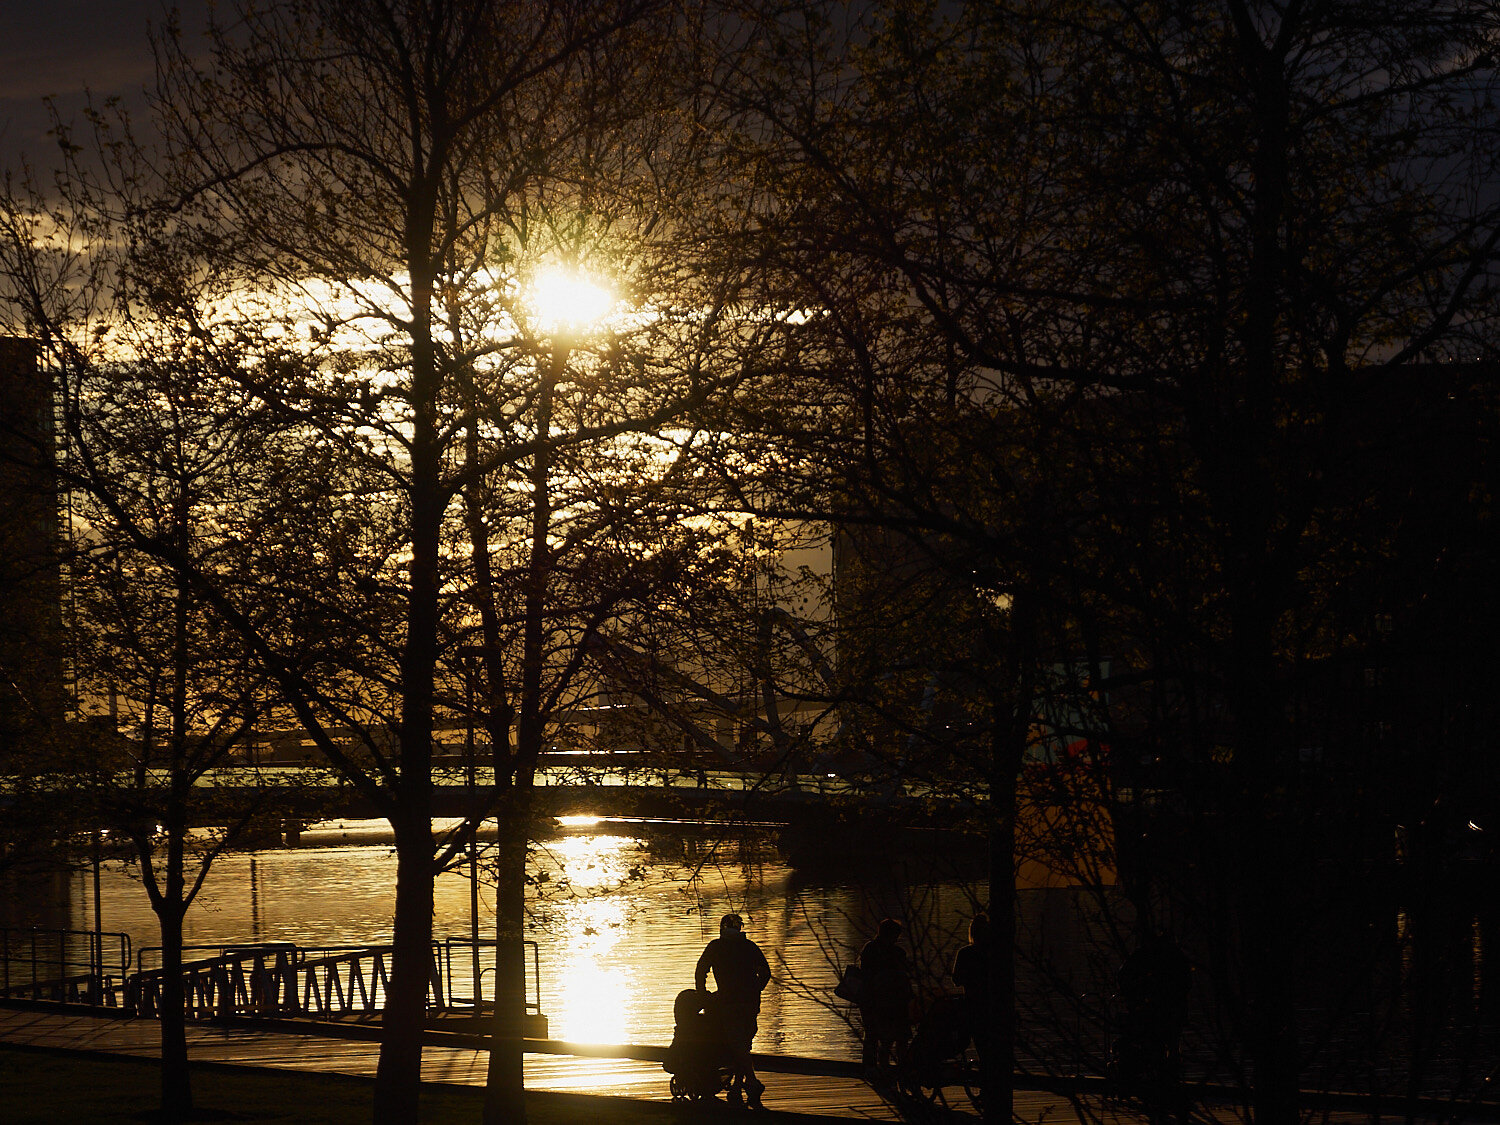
pixel 32 680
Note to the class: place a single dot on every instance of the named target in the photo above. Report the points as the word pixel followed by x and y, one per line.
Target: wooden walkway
pixel 791 1084
pixel 834 1096
pixel 790 1087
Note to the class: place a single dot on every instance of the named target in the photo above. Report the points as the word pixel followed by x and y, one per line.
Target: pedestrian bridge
pixel 783 800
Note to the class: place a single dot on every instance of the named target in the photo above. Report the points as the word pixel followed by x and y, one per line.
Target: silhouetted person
pixel 886 1008
pixel 971 972
pixel 741 972
pixel 1154 984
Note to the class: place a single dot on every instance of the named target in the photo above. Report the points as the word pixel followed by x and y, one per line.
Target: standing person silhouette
pixel 886 1008
pixel 741 972
pixel 1154 983
pixel 971 972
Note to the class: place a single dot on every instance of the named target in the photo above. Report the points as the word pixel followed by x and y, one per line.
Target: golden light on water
pixel 595 863
pixel 591 1001
pixel 593 997
pixel 578 821
pixel 619 925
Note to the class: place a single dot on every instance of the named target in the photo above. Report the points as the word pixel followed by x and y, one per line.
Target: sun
pixel 567 300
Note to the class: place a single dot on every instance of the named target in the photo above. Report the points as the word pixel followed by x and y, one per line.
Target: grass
pixel 39 1087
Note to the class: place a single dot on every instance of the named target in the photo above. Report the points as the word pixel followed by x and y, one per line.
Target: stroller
pixel 698 1058
pixel 937 1055
pixel 1144 1066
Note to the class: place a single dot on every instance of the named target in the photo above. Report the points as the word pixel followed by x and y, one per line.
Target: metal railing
pixel 260 979
pixel 237 980
pixel 471 950
pixel 329 982
pixel 65 966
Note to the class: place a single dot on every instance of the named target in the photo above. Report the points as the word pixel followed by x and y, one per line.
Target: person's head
pixel 889 931
pixel 730 925
pixel 979 928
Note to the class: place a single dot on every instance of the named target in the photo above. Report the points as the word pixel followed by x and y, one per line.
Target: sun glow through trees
pixel 567 301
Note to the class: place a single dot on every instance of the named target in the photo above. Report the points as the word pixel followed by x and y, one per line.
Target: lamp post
pixel 473 841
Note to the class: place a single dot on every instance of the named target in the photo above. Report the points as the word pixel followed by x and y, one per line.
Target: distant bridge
pixel 721 796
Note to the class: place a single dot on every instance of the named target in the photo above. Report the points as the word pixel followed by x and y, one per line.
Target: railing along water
pixel 329 982
pixel 475 1002
pixel 64 966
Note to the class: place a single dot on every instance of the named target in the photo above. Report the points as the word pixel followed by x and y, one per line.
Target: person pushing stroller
pixel 741 973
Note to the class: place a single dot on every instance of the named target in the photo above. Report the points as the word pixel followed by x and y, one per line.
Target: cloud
pixel 51 71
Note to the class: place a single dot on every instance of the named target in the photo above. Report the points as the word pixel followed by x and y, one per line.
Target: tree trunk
pixel 1258 590
pixel 505 1086
pixel 1262 861
pixel 176 1080
pixel 1272 1012
pixel 398 1076
pixel 505 1093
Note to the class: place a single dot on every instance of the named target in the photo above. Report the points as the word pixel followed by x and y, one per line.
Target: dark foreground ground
pixel 61 1066
pixel 39 1087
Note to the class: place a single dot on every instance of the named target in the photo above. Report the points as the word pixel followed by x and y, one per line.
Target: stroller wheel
pixel 972 1085
pixel 678 1090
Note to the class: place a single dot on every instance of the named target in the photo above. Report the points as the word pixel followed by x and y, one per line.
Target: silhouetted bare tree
pixel 1200 239
pixel 396 176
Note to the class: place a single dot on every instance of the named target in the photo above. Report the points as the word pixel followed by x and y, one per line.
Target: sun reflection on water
pixel 591 862
pixel 593 996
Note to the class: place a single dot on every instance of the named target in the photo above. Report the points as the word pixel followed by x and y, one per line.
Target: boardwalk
pixel 835 1096
pixel 791 1084
pixel 790 1087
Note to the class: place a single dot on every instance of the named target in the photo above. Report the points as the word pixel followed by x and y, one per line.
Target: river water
pixel 620 913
